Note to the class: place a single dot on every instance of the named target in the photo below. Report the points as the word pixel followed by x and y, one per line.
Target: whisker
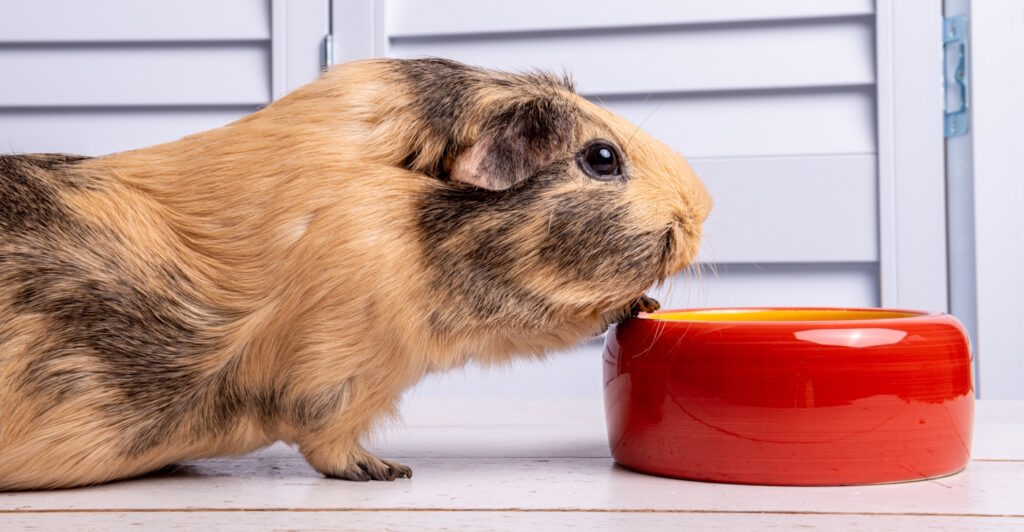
pixel 644 121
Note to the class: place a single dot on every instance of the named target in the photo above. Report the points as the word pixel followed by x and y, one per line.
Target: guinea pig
pixel 285 277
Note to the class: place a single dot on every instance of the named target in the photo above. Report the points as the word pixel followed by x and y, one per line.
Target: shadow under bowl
pixel 790 396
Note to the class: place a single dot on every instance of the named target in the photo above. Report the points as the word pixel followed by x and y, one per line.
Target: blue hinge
pixel 954 54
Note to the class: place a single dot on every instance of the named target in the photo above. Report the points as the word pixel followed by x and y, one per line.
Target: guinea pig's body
pixel 287 276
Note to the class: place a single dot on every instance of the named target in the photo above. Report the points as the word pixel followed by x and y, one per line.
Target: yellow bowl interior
pixel 780 315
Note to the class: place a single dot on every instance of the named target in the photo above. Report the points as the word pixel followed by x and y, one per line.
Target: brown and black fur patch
pixel 445 91
pixel 30 186
pixel 456 103
pixel 475 265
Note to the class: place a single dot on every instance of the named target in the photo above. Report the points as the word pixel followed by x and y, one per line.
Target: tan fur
pixel 295 221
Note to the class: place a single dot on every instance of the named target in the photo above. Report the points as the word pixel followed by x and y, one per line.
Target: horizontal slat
pixel 97 132
pixel 773 285
pixel 191 74
pixel 831 53
pixel 757 123
pixel 49 21
pixel 791 209
pixel 436 17
pixel 505 520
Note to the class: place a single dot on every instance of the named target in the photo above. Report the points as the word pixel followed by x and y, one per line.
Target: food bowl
pixel 794 396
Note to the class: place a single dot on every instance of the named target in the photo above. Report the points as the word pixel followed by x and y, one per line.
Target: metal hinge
pixel 954 72
pixel 327 52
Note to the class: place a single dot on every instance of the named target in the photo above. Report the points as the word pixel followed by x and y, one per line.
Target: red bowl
pixel 803 396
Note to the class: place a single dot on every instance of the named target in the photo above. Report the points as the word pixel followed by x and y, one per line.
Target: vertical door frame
pixel 987 195
pixel 297 30
pixel 911 158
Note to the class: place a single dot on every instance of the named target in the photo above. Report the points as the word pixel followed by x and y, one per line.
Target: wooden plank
pixel 53 21
pixel 791 209
pixel 827 122
pixel 407 18
pixel 545 489
pixel 553 520
pixel 101 131
pixel 284 483
pixel 182 74
pixel 833 53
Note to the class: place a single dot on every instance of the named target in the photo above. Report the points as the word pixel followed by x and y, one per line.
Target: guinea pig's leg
pixel 334 449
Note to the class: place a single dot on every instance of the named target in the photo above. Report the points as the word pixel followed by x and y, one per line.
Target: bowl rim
pixel 916 316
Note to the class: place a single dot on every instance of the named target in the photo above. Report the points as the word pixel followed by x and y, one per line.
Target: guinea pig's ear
pixel 516 143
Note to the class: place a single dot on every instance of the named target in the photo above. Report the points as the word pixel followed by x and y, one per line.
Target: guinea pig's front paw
pixel 363 466
pixel 643 304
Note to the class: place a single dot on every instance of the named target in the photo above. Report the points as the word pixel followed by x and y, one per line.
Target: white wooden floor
pixel 496 464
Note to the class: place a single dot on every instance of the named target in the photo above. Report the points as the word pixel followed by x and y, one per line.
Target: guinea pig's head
pixel 541 208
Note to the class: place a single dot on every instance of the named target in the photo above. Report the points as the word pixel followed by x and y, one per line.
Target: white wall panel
pixel 65 21
pixel 791 209
pixel 102 131
pixel 418 17
pixel 669 59
pixel 183 74
pixel 756 123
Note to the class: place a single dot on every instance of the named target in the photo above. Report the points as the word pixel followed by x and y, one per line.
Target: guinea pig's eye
pixel 600 160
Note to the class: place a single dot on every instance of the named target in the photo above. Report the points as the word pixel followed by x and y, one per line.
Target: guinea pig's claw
pixel 643 304
pixel 369 467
